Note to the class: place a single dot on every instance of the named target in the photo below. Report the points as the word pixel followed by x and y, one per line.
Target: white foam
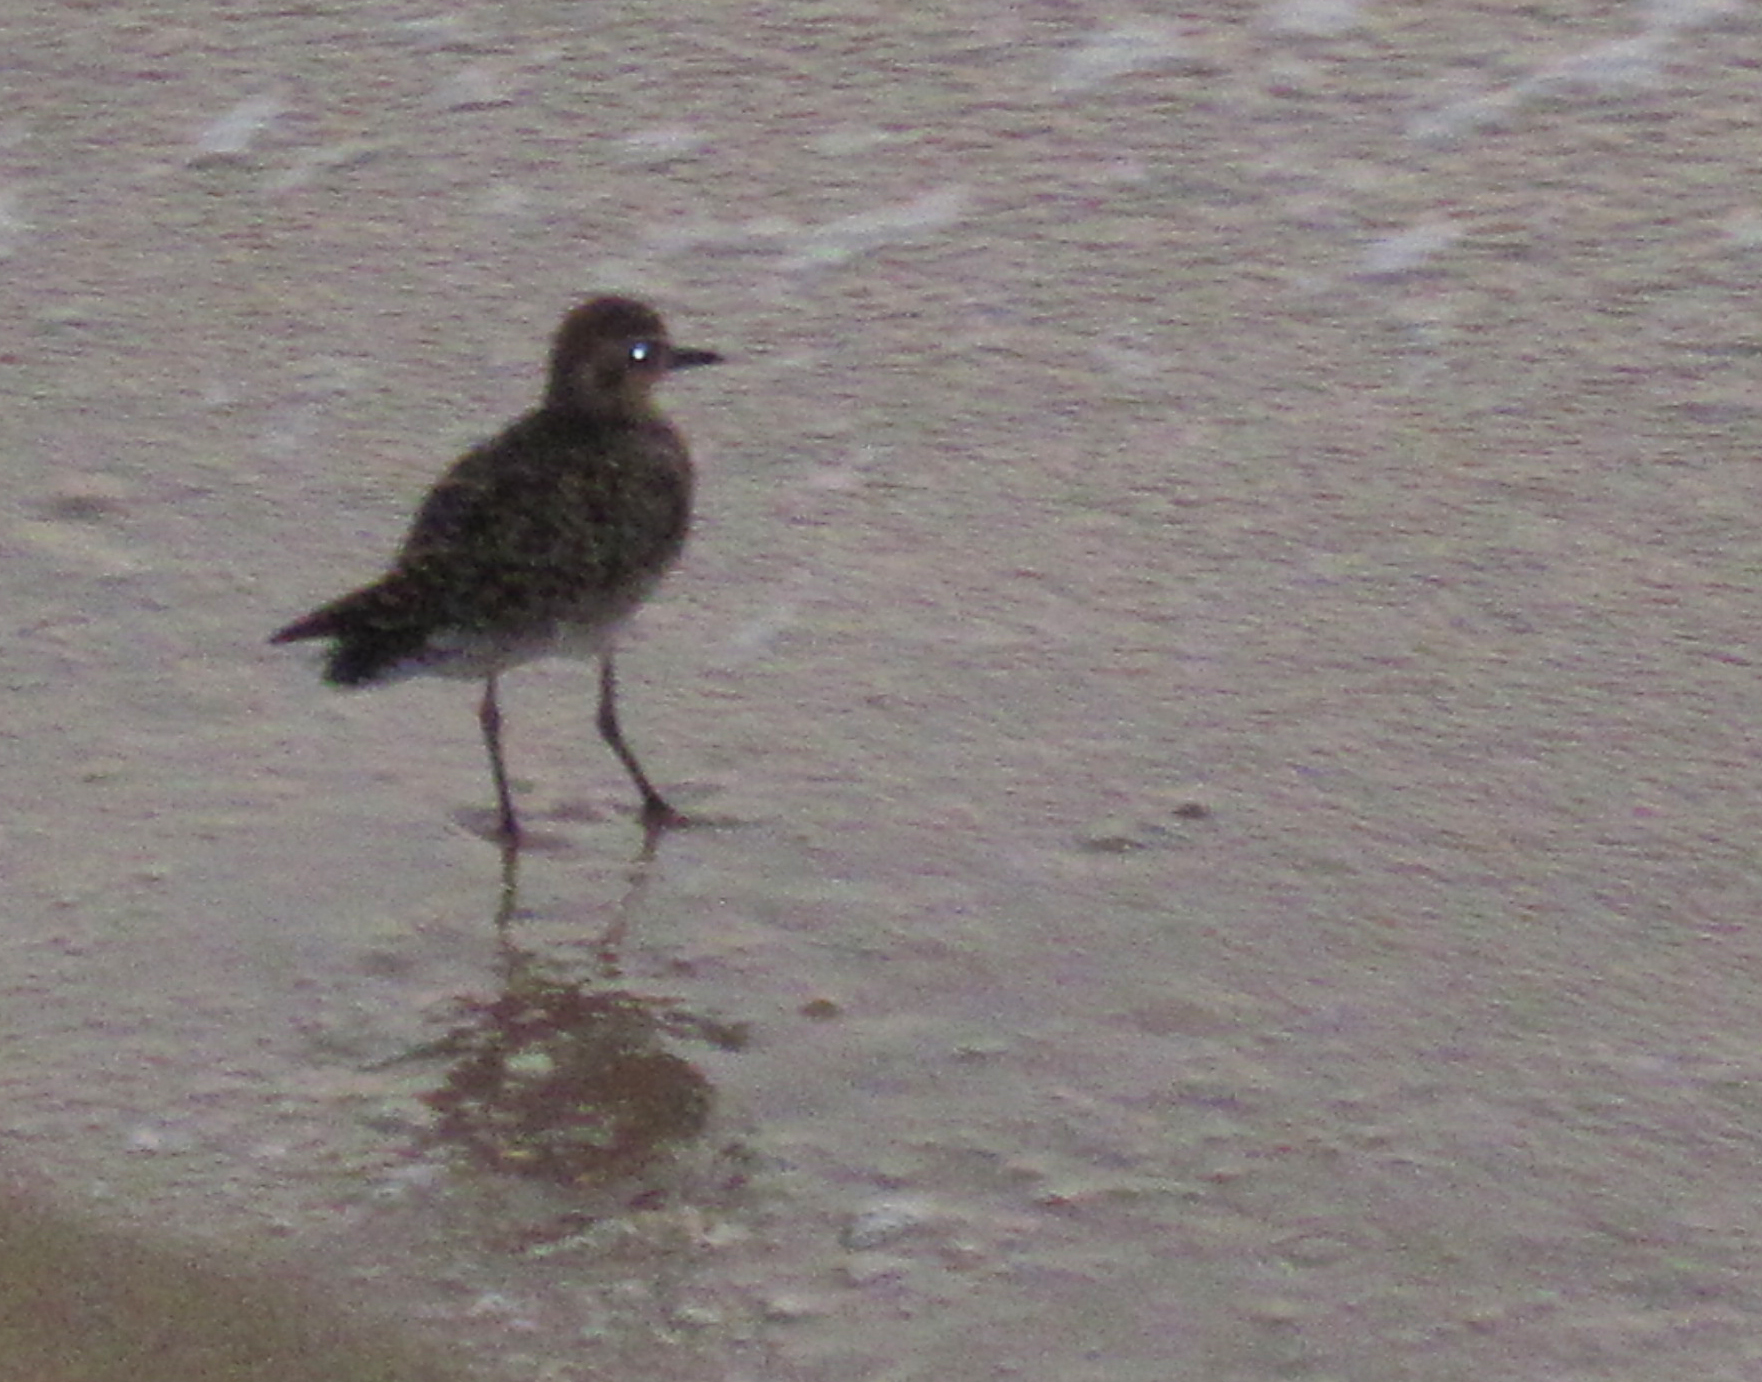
pixel 1136 46
pixel 232 135
pixel 662 145
pixel 1676 15
pixel 1607 69
pixel 1314 18
pixel 477 86
pixel 13 225
pixel 832 242
pixel 1409 250
pixel 1622 64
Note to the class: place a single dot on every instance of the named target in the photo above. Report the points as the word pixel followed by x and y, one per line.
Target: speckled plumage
pixel 539 541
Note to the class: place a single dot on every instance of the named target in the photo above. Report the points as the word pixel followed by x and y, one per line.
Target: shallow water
pixel 1218 643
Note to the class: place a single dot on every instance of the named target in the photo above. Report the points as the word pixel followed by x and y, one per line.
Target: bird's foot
pixel 658 815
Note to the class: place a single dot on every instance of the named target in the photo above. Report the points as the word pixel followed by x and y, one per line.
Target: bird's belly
pixel 471 653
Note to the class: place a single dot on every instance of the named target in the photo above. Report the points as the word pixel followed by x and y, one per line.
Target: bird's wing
pixel 531 520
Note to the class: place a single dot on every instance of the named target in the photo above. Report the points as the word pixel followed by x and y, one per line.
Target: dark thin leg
pixel 509 902
pixel 657 815
pixel 489 715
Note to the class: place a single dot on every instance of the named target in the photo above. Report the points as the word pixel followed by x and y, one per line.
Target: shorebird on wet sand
pixel 539 542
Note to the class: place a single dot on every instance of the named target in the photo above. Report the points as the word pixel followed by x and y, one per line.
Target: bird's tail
pixel 321 623
pixel 374 631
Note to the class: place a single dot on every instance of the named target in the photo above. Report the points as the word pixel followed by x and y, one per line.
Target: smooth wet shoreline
pixel 1340 416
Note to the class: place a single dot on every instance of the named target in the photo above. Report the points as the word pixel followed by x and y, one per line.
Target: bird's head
pixel 609 354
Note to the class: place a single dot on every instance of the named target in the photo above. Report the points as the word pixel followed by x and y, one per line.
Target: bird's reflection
pixel 568 1077
pixel 508 897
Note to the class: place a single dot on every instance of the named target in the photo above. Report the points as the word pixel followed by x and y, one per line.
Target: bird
pixel 541 541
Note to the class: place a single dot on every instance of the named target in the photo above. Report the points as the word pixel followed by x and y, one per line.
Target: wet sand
pixel 1219 641
pixel 86 1302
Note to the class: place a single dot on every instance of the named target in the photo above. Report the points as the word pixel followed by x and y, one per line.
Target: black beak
pixel 686 359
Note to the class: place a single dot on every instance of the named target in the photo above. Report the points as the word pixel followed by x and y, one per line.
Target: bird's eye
pixel 642 352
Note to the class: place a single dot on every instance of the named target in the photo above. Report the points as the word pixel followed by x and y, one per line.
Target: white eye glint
pixel 641 352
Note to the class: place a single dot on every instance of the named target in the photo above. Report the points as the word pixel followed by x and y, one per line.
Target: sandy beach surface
pixel 1219 654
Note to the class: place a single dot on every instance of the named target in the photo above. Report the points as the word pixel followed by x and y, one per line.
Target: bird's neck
pixel 620 407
